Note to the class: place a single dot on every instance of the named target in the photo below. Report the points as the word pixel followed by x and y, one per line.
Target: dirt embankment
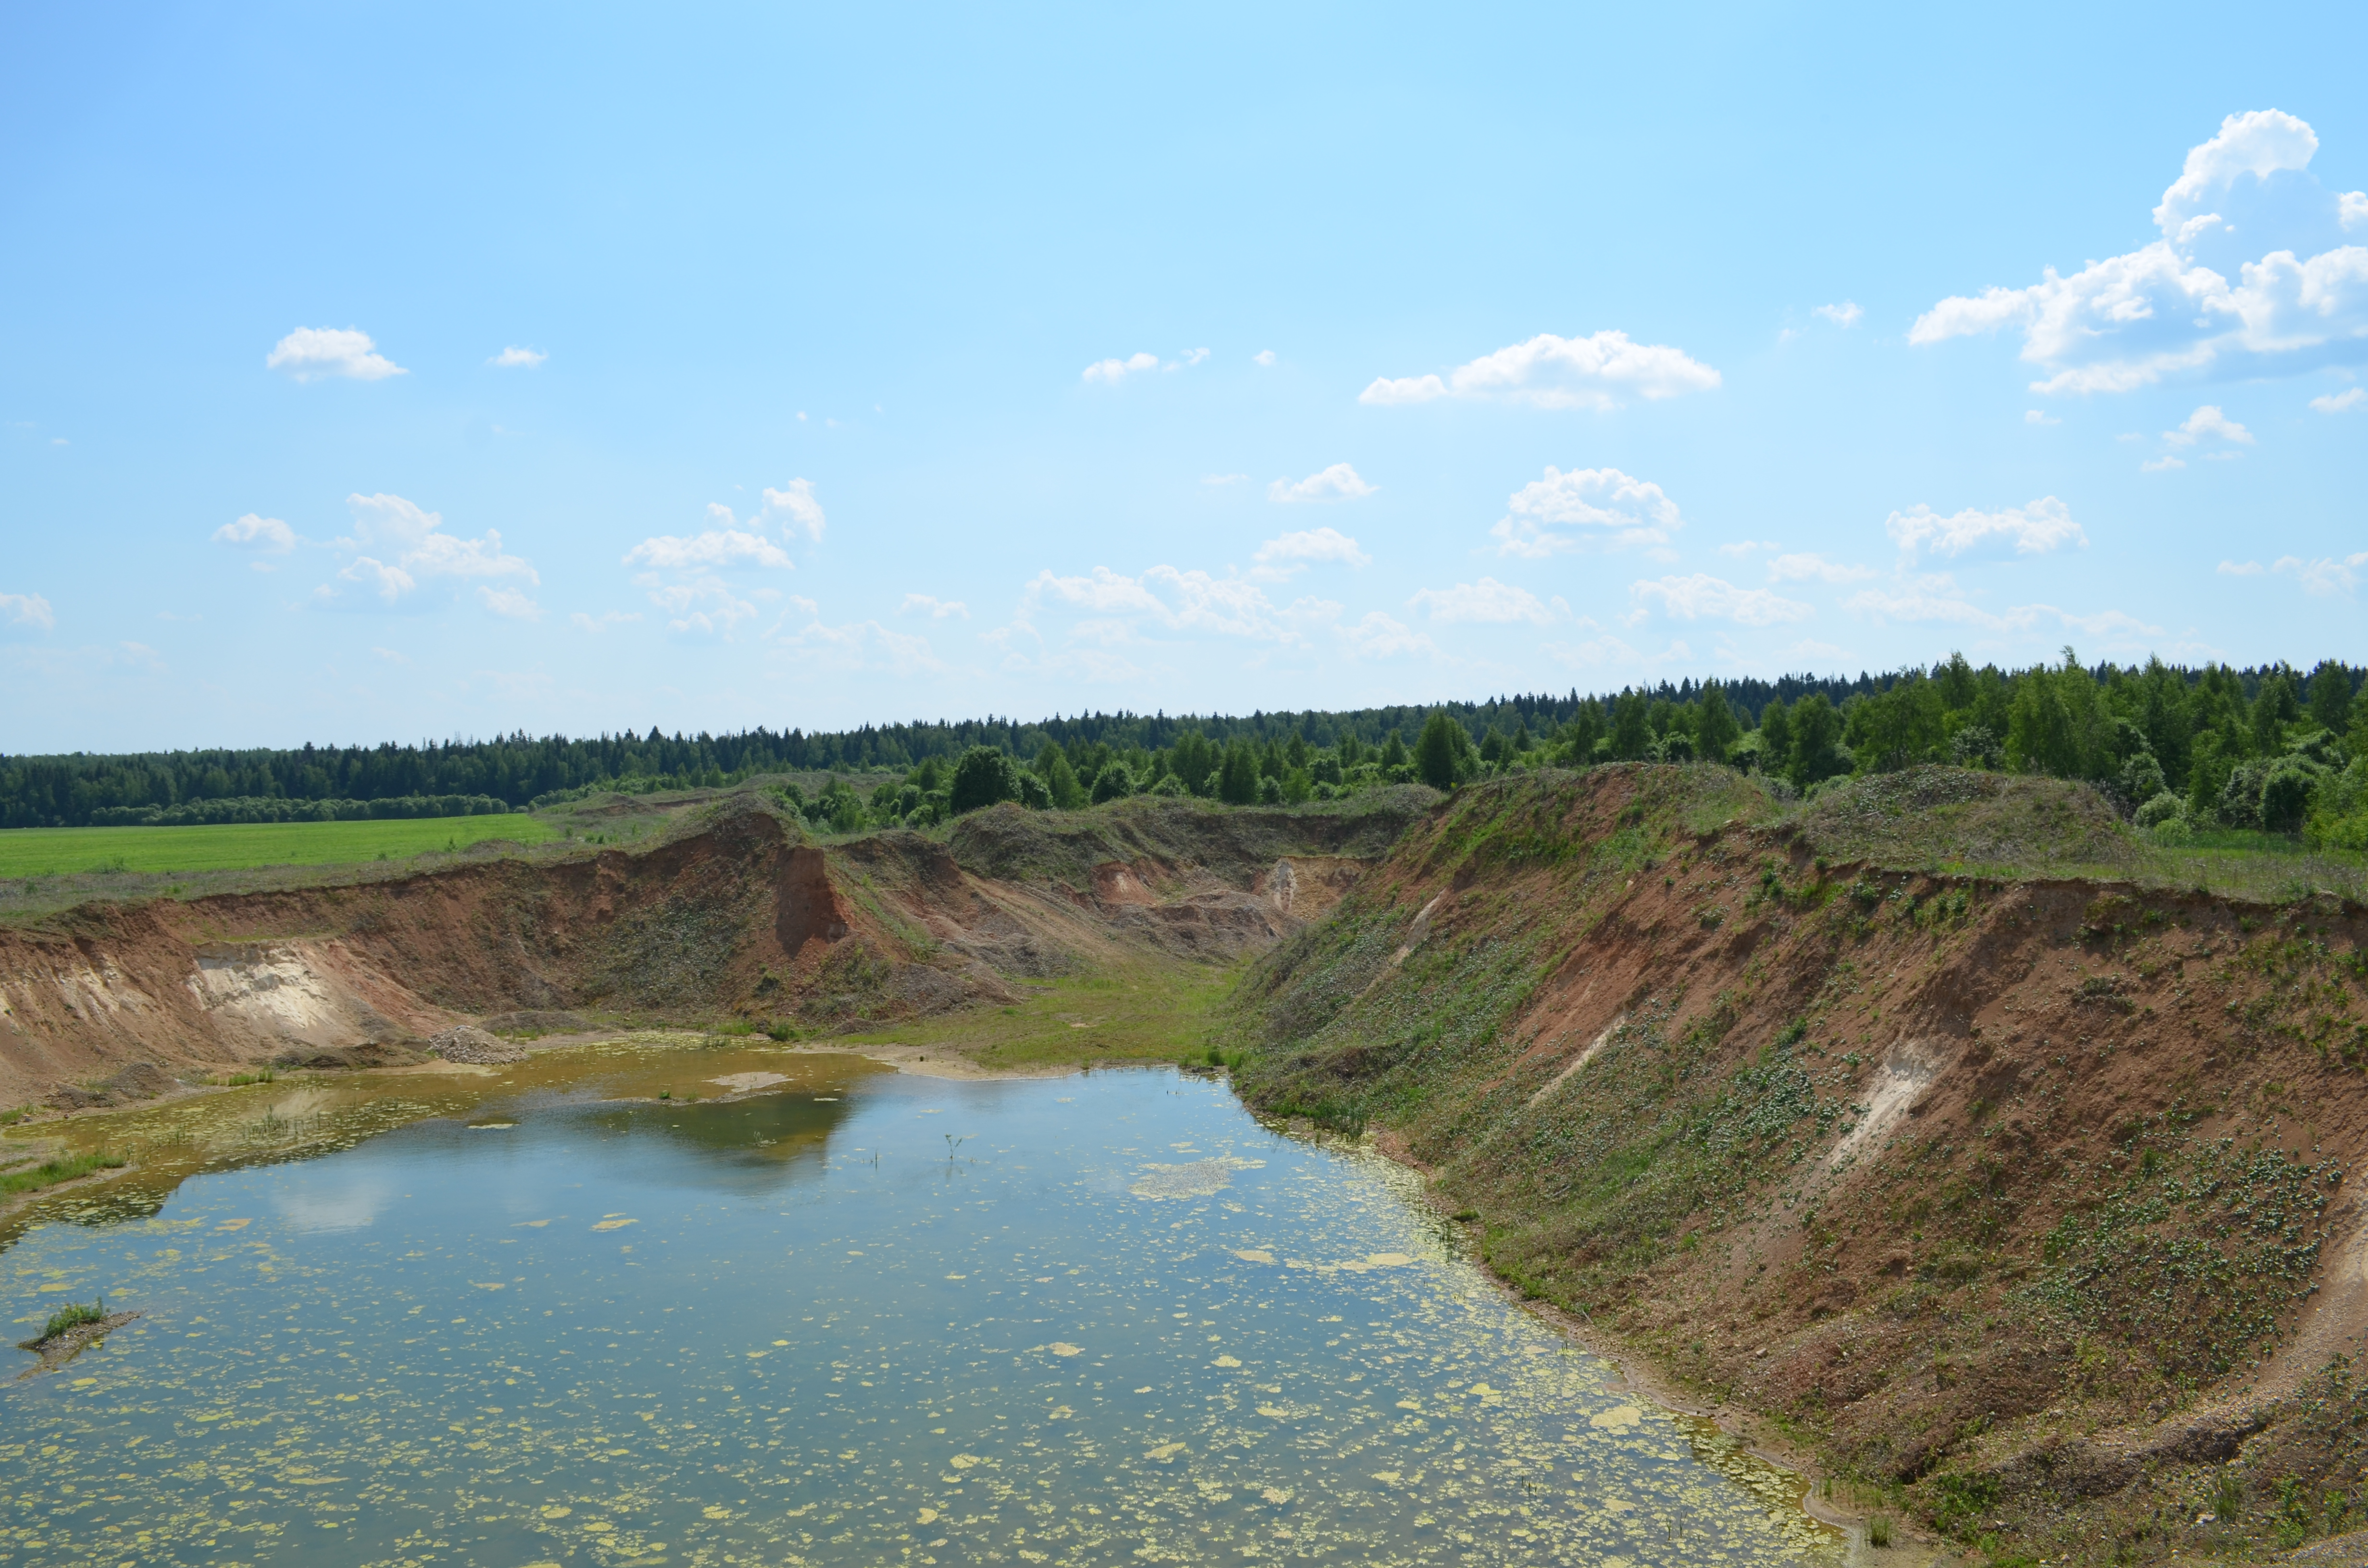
pixel 742 917
pixel 2029 1202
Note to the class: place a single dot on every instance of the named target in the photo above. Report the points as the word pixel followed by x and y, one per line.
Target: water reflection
pixel 851 1318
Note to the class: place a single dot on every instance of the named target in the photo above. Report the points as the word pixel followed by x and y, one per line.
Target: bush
pixel 1270 792
pixel 1438 750
pixel 2240 805
pixel 1170 787
pixel 2159 808
pixel 2142 777
pixel 2173 833
pixel 1034 793
pixel 981 777
pixel 2286 793
pixel 1113 782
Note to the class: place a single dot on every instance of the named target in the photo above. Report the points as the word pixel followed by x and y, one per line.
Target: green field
pixel 66 851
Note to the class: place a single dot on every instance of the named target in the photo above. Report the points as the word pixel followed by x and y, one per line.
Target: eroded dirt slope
pixel 740 916
pixel 2030 1198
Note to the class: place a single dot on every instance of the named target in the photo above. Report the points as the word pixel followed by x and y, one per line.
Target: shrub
pixel 2286 793
pixel 2159 808
pixel 1270 792
pixel 2142 777
pixel 1113 782
pixel 1169 787
pixel 1034 793
pixel 981 777
pixel 1438 750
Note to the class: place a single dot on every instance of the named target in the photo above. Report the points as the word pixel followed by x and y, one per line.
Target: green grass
pixel 69 1167
pixel 56 851
pixel 1141 1012
pixel 72 1316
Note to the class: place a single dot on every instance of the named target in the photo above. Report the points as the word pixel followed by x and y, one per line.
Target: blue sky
pixel 383 372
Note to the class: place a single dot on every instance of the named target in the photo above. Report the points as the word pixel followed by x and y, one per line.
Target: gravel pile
pixel 467 1042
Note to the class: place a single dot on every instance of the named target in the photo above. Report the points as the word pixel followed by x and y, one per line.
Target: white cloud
pixel 2169 308
pixel 1338 483
pixel 1559 372
pixel 935 608
pixel 517 359
pixel 1379 636
pixel 1263 357
pixel 2337 402
pixel 2258 144
pixel 857 645
pixel 704 606
pixel 794 501
pixel 2235 569
pixel 2351 208
pixel 2030 529
pixel 262 533
pixel 1488 602
pixel 27 609
pixel 425 547
pixel 1112 372
pixel 1308 546
pixel 2326 576
pixel 1701 596
pixel 2161 464
pixel 1542 512
pixel 1167 599
pixel 2208 420
pixel 1808 568
pixel 312 352
pixel 1191 357
pixel 390 583
pixel 1937 598
pixel 2034 417
pixel 1845 315
pixel 711 547
pixel 1747 546
pixel 510 603
pixel 596 625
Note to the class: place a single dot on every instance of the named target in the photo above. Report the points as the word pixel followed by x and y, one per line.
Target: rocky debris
pixel 140 1081
pixel 348 1058
pixel 468 1043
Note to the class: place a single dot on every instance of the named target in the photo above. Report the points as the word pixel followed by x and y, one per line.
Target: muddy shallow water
pixel 823 1315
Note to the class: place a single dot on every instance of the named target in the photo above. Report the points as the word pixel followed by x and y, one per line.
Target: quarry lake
pixel 823 1313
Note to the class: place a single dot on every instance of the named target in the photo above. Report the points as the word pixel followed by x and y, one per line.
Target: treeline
pixel 2198 728
pixel 263 808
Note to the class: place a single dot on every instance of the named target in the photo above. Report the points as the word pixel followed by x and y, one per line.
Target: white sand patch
pixel 1581 1060
pixel 1906 1074
pixel 749 1082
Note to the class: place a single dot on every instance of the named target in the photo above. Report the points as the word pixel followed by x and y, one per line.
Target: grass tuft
pixel 72 1167
pixel 74 1316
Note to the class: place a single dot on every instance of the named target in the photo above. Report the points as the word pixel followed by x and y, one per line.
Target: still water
pixel 845 1316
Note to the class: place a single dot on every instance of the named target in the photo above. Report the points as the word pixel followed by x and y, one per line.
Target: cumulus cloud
pixel 1702 597
pixel 1488 602
pixel 1109 372
pixel 2208 420
pixel 1309 547
pixel 2327 577
pixel 1166 598
pixel 857 645
pixel 1562 510
pixel 315 353
pixel 1558 372
pixel 510 603
pixel 1379 636
pixel 1747 546
pixel 398 546
pixel 2161 464
pixel 1338 483
pixel 1263 357
pixel 2034 529
pixel 1845 315
pixel 257 533
pixel 1937 598
pixel 793 503
pixel 2338 402
pixel 517 359
pixel 1810 568
pixel 2170 309
pixel 27 609
pixel 935 608
pixel 2236 569
pixel 704 607
pixel 709 548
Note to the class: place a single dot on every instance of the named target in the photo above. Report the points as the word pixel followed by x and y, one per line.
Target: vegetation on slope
pixel 1629 1016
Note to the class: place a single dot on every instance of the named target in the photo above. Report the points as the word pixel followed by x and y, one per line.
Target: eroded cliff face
pixel 742 919
pixel 2032 1195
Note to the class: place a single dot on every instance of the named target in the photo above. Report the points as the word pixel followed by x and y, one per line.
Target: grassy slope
pixel 53 851
pixel 2032 1266
pixel 1145 1011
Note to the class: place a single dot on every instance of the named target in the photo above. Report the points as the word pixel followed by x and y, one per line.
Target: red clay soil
pixel 2031 1197
pixel 741 919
